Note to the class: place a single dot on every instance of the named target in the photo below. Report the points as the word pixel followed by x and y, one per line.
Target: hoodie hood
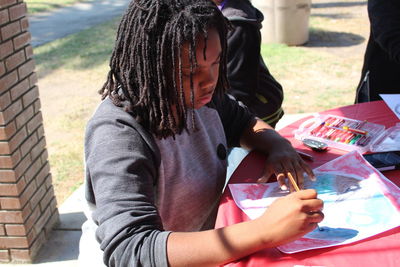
pixel 242 10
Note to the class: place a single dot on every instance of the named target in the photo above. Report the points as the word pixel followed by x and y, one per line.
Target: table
pixel 380 250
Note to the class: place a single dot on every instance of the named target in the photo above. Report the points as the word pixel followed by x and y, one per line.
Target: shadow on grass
pixel 339 4
pixel 84 50
pixel 322 38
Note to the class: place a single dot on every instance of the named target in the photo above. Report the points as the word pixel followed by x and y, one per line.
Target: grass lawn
pixel 71 71
pixel 35 6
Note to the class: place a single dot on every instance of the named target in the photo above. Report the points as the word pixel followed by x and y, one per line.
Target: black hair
pixel 148 51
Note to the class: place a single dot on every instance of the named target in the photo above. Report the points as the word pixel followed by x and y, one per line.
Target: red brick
pixel 2 230
pixel 6 3
pixel 17 11
pixel 7 131
pixel 28 144
pixel 21 255
pixel 37 243
pixel 24 116
pixel 8 190
pixel 40 131
pixel 33 169
pixel 11 217
pixel 5 100
pixel 17 139
pixel 19 89
pixel 35 199
pixel 41 176
pixel 53 205
pixel 21 40
pixel 6 49
pixel 53 221
pixel 30 221
pixel 12 189
pixel 6 82
pixel 34 123
pixel 30 96
pixel 28 51
pixel 4 148
pixel 26 69
pixel 10 203
pixel 7 115
pixel 4 256
pixel 10 161
pixel 8 176
pixel 37 105
pixel 49 181
pixel 33 79
pixel 15 230
pixel 4 18
pixel 13 242
pixel 47 198
pixel 38 149
pixel 10 30
pixel 26 212
pixel 24 24
pixel 15 60
pixel 22 166
pixel 2 68
pixel 39 225
pixel 44 156
pixel 31 236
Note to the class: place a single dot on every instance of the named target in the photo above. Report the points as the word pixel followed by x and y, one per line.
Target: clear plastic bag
pixel 389 140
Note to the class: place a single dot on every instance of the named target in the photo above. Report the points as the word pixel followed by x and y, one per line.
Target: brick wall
pixel 27 203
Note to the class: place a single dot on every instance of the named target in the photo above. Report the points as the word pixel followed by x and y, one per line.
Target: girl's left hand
pixel 282 158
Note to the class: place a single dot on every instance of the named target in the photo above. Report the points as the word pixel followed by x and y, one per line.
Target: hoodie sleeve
pixel 250 80
pixel 243 60
pixel 385 22
pixel 121 170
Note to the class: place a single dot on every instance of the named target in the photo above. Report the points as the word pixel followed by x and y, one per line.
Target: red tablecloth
pixel 381 250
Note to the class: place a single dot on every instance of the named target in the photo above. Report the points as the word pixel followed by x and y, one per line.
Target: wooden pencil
pixel 293 181
pixel 296 187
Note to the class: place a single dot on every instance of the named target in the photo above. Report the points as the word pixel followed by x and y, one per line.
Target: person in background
pixel 250 80
pixel 155 148
pixel 381 69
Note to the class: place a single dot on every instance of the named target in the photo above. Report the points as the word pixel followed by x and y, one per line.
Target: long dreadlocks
pixel 147 53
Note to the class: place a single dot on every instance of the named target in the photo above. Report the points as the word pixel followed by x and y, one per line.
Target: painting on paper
pixel 359 202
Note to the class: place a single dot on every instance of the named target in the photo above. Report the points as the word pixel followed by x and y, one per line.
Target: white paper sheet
pixel 359 202
pixel 393 102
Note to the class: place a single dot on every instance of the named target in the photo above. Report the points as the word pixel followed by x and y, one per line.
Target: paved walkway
pixel 46 27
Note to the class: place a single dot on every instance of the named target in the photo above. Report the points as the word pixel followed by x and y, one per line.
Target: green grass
pixel 35 6
pixel 312 81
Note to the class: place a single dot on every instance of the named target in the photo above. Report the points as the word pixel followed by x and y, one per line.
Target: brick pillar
pixel 27 202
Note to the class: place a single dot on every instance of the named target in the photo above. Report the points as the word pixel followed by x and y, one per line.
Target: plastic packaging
pixel 340 132
pixel 389 140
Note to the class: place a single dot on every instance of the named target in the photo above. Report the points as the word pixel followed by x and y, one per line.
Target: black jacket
pixel 382 56
pixel 250 80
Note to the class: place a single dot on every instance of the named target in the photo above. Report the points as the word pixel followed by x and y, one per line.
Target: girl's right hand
pixel 290 217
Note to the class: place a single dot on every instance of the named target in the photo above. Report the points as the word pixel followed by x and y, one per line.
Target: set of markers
pixel 340 132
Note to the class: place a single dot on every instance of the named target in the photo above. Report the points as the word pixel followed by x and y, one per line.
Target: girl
pixel 155 149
